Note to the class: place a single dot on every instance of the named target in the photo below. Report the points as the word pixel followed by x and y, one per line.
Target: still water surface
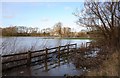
pixel 22 44
pixel 13 45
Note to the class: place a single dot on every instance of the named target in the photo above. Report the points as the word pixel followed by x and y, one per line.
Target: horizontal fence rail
pixel 45 56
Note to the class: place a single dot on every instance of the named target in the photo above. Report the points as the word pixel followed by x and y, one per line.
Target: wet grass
pixel 109 67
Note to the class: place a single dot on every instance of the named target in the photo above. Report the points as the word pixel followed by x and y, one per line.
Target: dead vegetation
pixel 109 67
pixel 104 63
pixel 102 20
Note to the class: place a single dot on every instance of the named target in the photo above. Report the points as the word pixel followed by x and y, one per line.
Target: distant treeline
pixel 25 31
pixel 22 31
pixel 56 31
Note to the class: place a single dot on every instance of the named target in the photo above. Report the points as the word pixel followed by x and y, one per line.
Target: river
pixel 11 45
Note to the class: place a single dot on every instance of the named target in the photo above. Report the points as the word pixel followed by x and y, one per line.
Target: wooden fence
pixel 44 57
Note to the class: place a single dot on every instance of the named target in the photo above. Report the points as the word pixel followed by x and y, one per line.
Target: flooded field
pixel 23 44
pixel 11 45
pixel 63 69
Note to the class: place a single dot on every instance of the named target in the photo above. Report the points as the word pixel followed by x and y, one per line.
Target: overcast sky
pixel 40 14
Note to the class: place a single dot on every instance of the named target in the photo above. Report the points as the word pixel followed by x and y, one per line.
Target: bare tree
pixel 66 31
pixel 102 18
pixel 58 29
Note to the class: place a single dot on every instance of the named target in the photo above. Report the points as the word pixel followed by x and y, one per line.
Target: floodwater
pixel 11 45
pixel 22 44
pixel 63 69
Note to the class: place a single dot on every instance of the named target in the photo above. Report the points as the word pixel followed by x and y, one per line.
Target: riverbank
pixel 49 37
pixel 79 38
pixel 82 38
pixel 109 67
pixel 96 61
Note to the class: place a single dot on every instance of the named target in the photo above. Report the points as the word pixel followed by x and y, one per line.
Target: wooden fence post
pixel 68 53
pixel 46 54
pixel 75 50
pixel 29 58
pixel 86 44
pixel 75 46
pixel 59 55
pixel 68 48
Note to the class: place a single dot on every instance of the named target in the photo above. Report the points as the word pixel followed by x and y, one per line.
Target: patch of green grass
pixel 82 38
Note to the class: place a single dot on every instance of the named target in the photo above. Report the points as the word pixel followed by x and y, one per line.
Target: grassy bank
pixel 82 38
pixel 109 67
pixel 69 38
pixel 105 63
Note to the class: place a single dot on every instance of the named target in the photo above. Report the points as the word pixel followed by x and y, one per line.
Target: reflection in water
pixel 55 69
pixel 58 42
pixel 22 44
pixel 64 68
